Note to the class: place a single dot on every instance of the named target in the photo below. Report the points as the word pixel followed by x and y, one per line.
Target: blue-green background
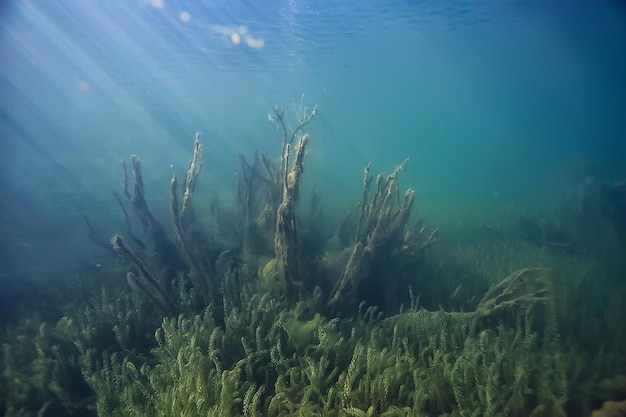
pixel 499 105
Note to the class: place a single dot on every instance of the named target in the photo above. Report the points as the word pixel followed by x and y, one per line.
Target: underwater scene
pixel 313 208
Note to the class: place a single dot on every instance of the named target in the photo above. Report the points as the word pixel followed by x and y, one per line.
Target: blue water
pixel 497 104
pixel 511 113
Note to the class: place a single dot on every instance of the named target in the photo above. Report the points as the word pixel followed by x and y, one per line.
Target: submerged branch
pixel 149 284
pixel 286 237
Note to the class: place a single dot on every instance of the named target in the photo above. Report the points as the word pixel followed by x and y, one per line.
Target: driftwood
pixel 165 256
pixel 378 230
pixel 376 237
pixel 523 293
pixel 145 281
pixel 188 230
pixel 286 236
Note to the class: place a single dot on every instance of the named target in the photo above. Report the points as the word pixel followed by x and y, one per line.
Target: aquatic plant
pixel 248 323
pixel 269 359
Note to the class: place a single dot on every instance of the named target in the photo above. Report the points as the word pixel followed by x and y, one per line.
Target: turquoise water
pixel 500 107
pixel 485 99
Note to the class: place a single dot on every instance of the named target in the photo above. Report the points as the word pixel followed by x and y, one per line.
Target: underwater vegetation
pixel 267 310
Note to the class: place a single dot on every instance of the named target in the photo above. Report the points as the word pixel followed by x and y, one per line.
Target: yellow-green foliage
pixel 259 357
pixel 39 364
pixel 271 361
pixel 50 367
pixel 267 359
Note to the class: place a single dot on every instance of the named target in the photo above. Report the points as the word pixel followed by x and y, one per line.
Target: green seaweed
pixel 485 323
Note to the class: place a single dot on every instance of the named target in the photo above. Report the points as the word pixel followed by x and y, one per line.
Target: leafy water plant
pixel 254 325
